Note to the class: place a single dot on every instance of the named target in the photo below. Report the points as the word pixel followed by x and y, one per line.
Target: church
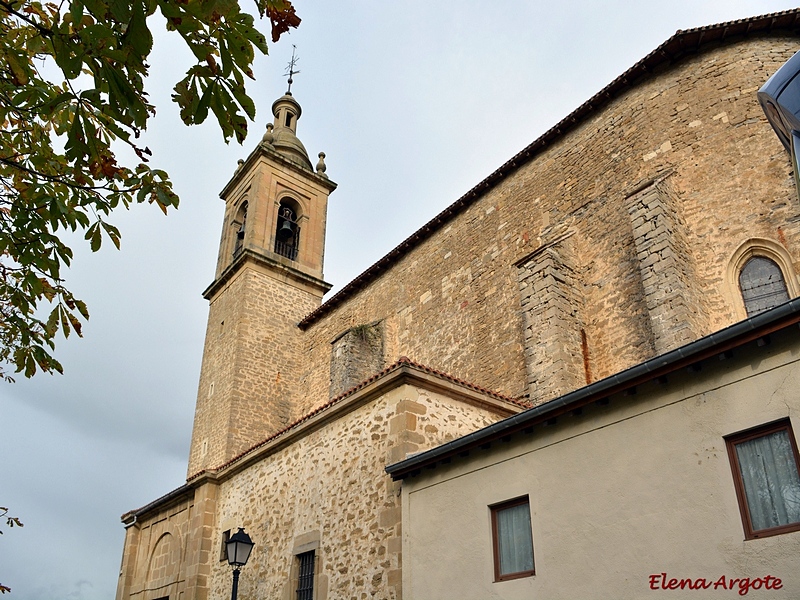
pixel 342 434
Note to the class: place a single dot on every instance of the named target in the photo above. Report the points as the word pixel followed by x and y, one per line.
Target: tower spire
pixel 290 69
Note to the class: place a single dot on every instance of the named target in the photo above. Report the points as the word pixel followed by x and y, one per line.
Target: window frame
pixel 302 576
pixel 765 248
pixel 751 302
pixel 494 510
pixel 741 496
pixel 223 551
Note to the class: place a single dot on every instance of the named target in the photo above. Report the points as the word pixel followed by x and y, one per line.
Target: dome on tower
pixel 287 111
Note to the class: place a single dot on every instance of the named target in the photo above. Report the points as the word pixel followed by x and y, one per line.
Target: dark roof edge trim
pixel 669 51
pixel 130 517
pixel 733 336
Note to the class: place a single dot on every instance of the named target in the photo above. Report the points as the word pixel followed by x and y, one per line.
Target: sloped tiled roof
pixel 401 363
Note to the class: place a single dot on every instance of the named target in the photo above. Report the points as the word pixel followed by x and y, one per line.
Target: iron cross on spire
pixel 290 69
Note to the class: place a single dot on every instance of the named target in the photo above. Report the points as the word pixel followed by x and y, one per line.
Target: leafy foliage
pixel 58 168
pixel 10 522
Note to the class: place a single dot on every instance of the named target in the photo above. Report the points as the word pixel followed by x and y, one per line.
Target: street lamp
pixel 238 548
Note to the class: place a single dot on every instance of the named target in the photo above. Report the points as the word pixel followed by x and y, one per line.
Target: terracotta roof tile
pixel 403 361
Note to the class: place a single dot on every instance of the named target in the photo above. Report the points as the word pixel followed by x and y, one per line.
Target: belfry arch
pixel 288 228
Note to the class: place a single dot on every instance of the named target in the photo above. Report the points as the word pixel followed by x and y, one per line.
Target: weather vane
pixel 290 69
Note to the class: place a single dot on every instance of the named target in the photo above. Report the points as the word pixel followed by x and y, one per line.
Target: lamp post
pixel 238 548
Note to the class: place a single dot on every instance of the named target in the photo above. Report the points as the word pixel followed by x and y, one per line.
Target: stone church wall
pixel 153 564
pixel 551 295
pixel 695 136
pixel 612 245
pixel 356 355
pixel 251 366
pixel 328 488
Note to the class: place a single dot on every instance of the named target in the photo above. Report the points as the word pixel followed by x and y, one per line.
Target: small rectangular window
pixel 223 552
pixel 765 462
pixel 305 578
pixel 512 539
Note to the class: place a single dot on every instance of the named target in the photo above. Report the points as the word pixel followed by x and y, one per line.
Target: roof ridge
pixel 625 80
pixel 402 361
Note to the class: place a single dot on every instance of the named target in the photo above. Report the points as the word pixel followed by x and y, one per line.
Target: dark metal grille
pixel 287 250
pixel 305 581
pixel 762 285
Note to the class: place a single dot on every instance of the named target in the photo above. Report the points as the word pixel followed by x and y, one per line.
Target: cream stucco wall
pixel 638 487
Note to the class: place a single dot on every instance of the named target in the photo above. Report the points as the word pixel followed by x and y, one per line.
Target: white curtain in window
pixel 515 543
pixel 770 478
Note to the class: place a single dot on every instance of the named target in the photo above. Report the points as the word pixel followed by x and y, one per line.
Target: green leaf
pixel 76 10
pixel 19 70
pixel 94 237
pixel 97 7
pixel 138 34
pixel 68 55
pixel 59 99
pixel 244 100
pixel 112 232
pixel 120 10
pixel 201 112
pixel 81 306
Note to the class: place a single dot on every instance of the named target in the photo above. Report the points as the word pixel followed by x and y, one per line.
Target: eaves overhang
pixel 176 496
pixel 278 265
pixel 403 372
pixel 264 150
pixel 714 345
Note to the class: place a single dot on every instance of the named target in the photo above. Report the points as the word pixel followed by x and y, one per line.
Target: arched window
pixel 240 222
pixel 287 230
pixel 762 285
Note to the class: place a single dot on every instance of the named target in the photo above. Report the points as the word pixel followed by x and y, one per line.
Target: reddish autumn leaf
pixel 282 20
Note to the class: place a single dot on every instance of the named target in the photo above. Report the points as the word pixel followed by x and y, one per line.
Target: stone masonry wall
pixel 168 552
pixel 251 366
pixel 330 487
pixel 453 301
pixel 153 561
pixel 551 296
pixel 666 266
pixel 356 355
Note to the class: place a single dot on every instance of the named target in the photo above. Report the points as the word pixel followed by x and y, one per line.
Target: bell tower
pixel 268 277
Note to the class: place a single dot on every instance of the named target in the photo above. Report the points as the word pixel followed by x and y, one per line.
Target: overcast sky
pixel 414 103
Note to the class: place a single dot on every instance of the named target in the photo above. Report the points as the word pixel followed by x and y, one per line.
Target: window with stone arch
pixel 287 229
pixel 762 285
pixel 760 277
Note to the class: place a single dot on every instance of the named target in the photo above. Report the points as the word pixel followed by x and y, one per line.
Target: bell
pixel 286 230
